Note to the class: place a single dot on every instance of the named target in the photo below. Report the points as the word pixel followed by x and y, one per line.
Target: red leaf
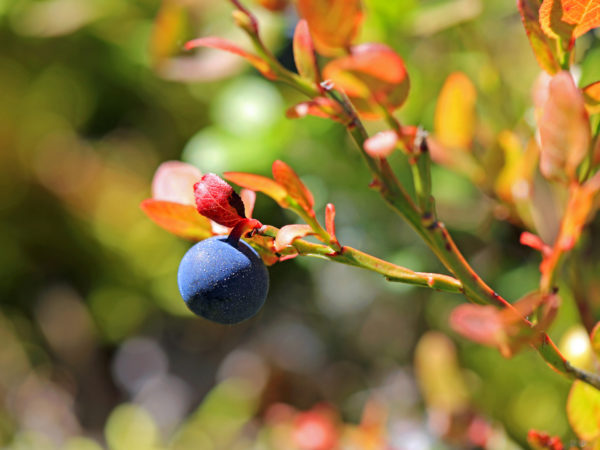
pixel 382 144
pixel 222 44
pixel 289 233
pixel 218 201
pixel 535 242
pixel 373 76
pixel 287 178
pixel 542 45
pixel 543 441
pixel 552 23
pixel 333 23
pixel 182 220
pixel 259 183
pixel 564 129
pixel 174 182
pixel 591 96
pixel 330 221
pixel 585 14
pixel 482 324
pixel 304 53
pixel 319 107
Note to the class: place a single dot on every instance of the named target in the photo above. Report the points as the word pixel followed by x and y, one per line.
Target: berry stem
pixel 242 227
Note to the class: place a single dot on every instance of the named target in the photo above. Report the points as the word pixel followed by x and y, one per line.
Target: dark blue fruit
pixel 223 281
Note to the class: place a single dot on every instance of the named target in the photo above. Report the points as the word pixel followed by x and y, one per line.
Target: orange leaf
pixel 289 233
pixel 543 46
pixel 373 76
pixel 170 28
pixel 333 23
pixel 182 220
pixel 584 14
pixel 248 197
pixel 581 200
pixel 222 44
pixel 287 178
pixel 259 183
pixel 273 5
pixel 454 121
pixel 591 96
pixel 304 53
pixel 552 23
pixel 564 129
pixel 382 144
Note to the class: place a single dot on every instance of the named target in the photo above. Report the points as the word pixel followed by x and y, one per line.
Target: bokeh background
pixel 96 347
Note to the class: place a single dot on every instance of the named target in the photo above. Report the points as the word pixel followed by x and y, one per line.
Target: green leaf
pixel 583 410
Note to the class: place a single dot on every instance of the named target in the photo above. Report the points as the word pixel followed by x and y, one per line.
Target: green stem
pixel 353 257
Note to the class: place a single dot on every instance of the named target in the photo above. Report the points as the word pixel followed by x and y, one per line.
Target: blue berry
pixel 223 281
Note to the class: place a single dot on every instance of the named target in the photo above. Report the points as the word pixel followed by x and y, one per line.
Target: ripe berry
pixel 223 281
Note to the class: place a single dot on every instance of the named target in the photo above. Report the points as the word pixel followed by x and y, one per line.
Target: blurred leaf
pixel 181 220
pixel 439 375
pixel 225 410
pixel 564 129
pixel 222 44
pixel 515 180
pixel 591 96
pixel 130 427
pixel 382 144
pixel 454 122
pixel 373 76
pixel 551 19
pixel 585 14
pixel 286 177
pixel 216 200
pixel 544 47
pixel 289 233
pixel 595 339
pixel 81 443
pixel 174 182
pixel 259 183
pixel 304 53
pixel 583 410
pixel 169 32
pixel 481 324
pixel 273 5
pixel 333 23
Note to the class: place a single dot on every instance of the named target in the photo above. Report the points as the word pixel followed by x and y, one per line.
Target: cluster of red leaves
pixel 196 206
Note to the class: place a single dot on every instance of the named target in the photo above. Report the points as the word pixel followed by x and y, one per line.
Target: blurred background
pixel 97 349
